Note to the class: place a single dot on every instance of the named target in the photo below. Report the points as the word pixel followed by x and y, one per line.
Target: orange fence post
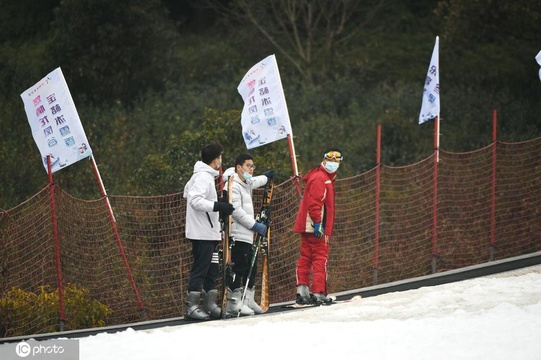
pixel 56 247
pixel 493 188
pixel 377 214
pixel 112 220
pixel 435 194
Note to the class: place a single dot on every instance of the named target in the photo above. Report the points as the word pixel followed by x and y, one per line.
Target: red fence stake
pixel 378 189
pixel 435 194
pixel 56 247
pixel 112 220
pixel 493 194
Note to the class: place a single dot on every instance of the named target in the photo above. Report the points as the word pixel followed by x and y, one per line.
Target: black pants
pixel 205 267
pixel 241 256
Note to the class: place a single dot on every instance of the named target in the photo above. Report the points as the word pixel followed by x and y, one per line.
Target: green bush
pixel 23 312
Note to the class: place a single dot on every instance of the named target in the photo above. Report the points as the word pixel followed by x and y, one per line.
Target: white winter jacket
pixel 202 223
pixel 243 216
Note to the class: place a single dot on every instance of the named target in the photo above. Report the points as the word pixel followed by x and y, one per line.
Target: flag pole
pixel 437 137
pixel 292 155
pixel 103 192
pixel 293 158
pixel 430 109
pixel 58 262
pixel 112 220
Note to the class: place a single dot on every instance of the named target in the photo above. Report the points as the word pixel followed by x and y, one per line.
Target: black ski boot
pixel 303 295
pixel 320 299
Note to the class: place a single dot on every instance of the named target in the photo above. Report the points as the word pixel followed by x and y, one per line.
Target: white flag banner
pixel 430 107
pixel 54 122
pixel 538 59
pixel 264 116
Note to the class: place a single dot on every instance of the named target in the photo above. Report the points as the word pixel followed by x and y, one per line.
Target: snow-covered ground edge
pixel 496 317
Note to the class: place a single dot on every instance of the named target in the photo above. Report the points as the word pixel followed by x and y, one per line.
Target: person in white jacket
pixel 203 230
pixel 243 227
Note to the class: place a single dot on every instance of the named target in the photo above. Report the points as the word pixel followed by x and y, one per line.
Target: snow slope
pixel 494 317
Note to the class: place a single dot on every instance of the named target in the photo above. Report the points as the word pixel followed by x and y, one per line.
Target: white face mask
pixel 331 166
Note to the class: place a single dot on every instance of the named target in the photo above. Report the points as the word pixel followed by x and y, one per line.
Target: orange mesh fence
pixel 464 222
pixel 518 200
pixel 27 260
pixel 488 206
pixel 406 221
pixel 91 256
pixel 352 244
pixel 152 230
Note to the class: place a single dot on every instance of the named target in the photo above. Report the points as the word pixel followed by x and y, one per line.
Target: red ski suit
pixel 317 205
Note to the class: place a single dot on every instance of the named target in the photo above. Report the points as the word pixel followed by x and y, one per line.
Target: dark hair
pixel 211 152
pixel 242 158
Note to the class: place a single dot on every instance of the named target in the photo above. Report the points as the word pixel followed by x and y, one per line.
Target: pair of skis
pixel 333 298
pixel 261 243
pixel 225 253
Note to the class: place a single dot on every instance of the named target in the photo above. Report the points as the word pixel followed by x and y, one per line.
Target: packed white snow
pixel 493 317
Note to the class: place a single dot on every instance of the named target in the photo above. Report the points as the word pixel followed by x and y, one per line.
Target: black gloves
pixel 224 196
pixel 269 174
pixel 223 207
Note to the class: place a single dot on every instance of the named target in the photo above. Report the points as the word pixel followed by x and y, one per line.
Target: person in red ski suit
pixel 315 221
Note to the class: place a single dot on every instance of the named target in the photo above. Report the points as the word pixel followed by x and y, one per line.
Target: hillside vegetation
pixel 155 80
